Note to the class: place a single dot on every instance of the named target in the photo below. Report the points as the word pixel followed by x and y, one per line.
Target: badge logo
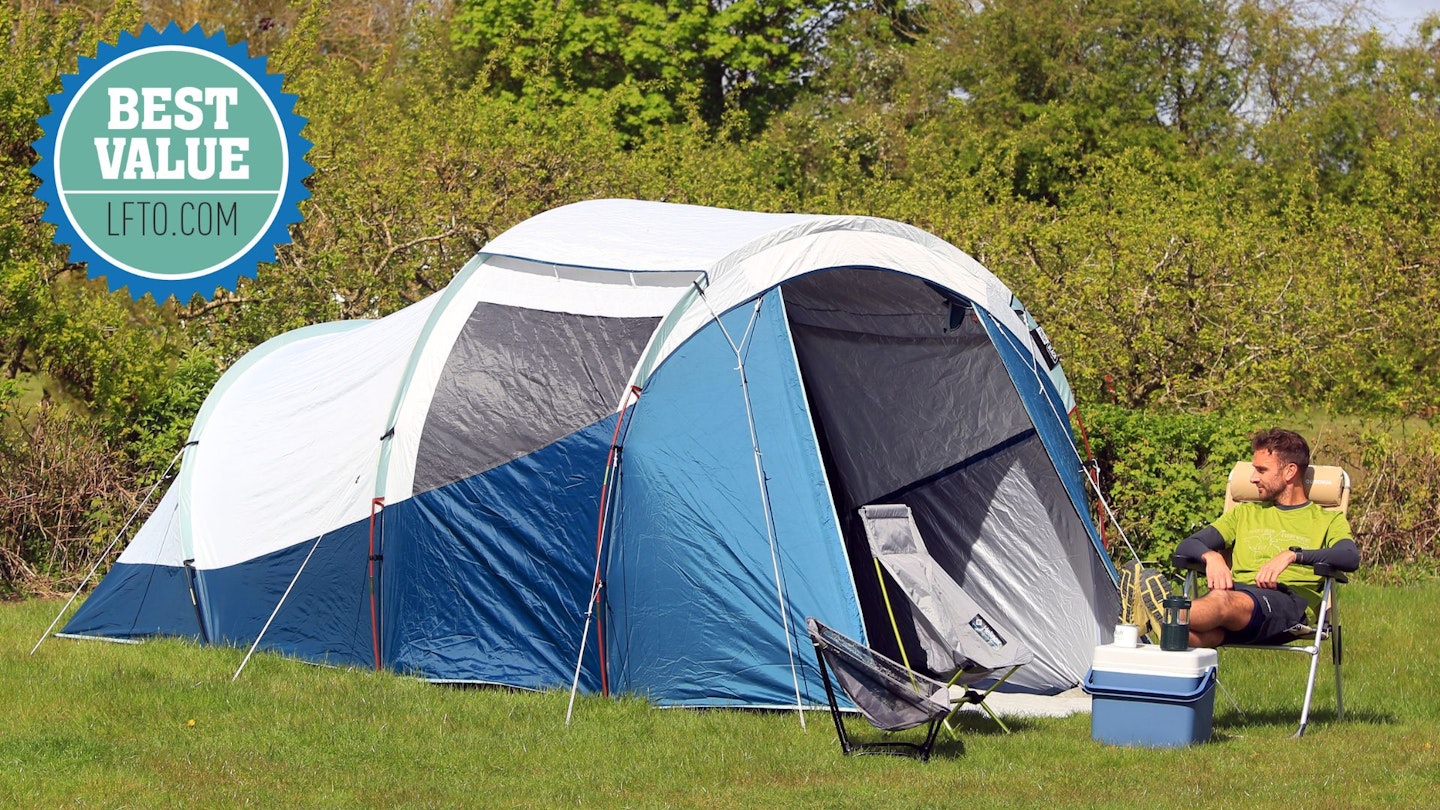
pixel 172 163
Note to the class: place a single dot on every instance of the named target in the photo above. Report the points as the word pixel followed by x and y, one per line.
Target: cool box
pixel 1145 696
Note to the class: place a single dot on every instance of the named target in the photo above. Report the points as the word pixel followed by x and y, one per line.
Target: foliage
pixel 1163 473
pixel 1164 477
pixel 1056 84
pixel 1396 517
pixel 1213 207
pixel 743 54
pixel 63 489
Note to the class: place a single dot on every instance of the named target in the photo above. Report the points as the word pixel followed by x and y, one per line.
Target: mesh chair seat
pixel 888 695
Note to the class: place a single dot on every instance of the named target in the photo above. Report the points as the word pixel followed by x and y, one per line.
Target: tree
pixel 743 54
pixel 1059 84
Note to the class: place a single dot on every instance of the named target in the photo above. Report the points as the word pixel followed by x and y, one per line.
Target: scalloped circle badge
pixel 172 163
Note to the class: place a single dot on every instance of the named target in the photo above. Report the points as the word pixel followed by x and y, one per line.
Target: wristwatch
pixel 1298 552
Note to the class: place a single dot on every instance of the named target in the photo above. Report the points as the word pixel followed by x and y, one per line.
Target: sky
pixel 1403 14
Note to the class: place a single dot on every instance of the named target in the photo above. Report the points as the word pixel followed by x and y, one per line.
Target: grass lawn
pixel 90 724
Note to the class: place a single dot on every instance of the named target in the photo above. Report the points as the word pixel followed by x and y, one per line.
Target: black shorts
pixel 1276 611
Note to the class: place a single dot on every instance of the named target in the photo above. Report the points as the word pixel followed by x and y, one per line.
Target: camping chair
pixel 890 696
pixel 1330 488
pixel 960 642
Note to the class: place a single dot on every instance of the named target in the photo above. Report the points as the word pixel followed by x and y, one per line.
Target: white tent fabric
pixel 158 541
pixel 736 253
pixel 361 380
pixel 262 472
pixel 604 234
pixel 836 242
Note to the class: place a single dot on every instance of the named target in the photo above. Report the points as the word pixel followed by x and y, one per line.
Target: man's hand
pixel 1269 574
pixel 1217 573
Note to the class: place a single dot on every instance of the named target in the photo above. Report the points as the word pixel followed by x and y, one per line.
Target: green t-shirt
pixel 1255 532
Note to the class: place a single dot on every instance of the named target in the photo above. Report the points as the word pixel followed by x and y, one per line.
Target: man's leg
pixel 1217 611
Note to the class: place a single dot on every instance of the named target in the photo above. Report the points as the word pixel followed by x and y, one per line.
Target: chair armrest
pixel 1187 563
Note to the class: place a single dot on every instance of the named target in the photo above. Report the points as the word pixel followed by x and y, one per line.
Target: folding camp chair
pixel 1330 488
pixel 960 642
pixel 890 696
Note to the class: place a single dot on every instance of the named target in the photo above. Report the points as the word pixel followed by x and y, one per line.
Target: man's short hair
pixel 1287 445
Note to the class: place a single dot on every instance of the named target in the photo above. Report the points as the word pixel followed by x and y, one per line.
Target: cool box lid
pixel 1149 659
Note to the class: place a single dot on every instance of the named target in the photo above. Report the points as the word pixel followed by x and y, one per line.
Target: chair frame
pixel 961 677
pixel 1327 622
pixel 1327 628
pixel 970 696
pixel 848 746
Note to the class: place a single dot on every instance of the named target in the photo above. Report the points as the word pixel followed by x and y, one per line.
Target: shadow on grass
pixel 870 742
pixel 980 724
pixel 1238 719
pixel 947 746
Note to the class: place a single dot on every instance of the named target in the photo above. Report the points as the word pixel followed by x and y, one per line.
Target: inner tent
pixel 913 404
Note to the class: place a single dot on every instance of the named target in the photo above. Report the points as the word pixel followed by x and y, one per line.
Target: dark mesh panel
pixel 890 696
pixel 518 379
pixel 901 383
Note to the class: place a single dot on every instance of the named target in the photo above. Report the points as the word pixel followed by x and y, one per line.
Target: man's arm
pixel 1343 556
pixel 1208 545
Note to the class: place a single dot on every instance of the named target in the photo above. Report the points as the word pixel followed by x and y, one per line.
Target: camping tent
pixel 424 491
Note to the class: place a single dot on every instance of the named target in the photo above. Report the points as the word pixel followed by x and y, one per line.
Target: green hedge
pixel 1163 474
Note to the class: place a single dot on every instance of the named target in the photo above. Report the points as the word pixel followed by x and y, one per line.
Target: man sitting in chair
pixel 1265 593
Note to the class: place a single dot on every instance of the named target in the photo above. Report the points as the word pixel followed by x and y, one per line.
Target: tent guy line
pixel 105 555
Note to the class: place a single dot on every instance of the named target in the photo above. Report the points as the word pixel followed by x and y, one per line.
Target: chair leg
pixel 1337 656
pixel 1309 689
pixel 930 740
pixel 974 697
pixel 981 701
pixel 849 748
pixel 834 706
pixel 994 716
pixel 1326 614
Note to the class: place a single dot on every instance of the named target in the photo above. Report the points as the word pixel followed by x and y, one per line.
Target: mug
pixel 1126 635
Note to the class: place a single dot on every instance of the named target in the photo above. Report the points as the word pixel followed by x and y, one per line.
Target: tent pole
pixel 276 611
pixel 106 553
pixel 764 496
pixel 377 506
pixel 192 586
pixel 606 494
pixel 580 660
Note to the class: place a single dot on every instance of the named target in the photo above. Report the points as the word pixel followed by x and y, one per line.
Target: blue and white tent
pixel 423 492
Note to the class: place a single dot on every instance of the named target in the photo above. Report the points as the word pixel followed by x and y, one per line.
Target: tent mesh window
pixel 518 379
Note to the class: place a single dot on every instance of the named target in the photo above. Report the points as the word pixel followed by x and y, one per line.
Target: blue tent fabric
pixel 147 592
pixel 325 617
pixel 137 601
pixel 692 595
pixel 487 579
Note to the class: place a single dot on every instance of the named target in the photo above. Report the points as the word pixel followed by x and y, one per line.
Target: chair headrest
pixel 1326 485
